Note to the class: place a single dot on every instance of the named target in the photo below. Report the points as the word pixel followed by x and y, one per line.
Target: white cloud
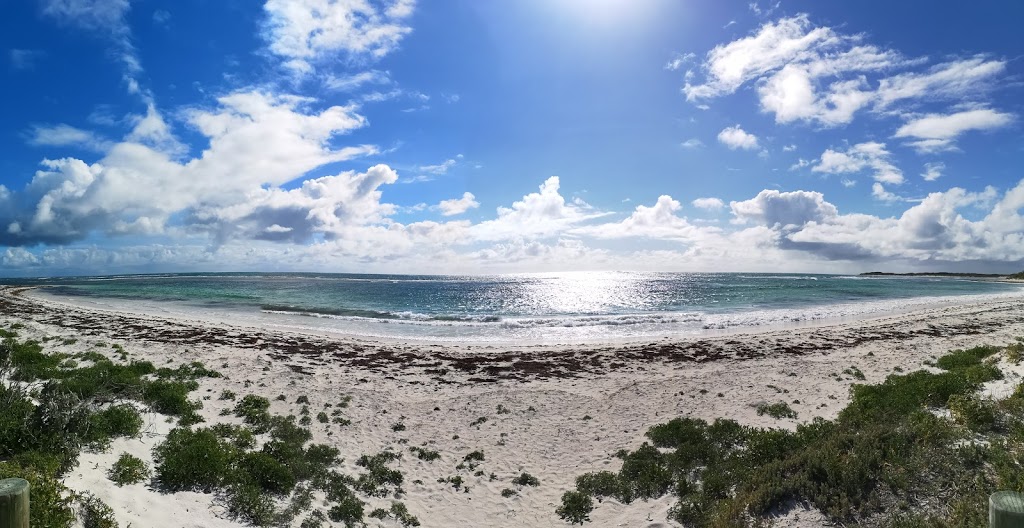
pixel 443 167
pixel 879 192
pixel 815 74
pixel 957 79
pixel 657 221
pixel 789 148
pixel 679 60
pixel 692 143
pixel 777 209
pixel 933 171
pixel 709 204
pixel 848 182
pixel 352 82
pixel 63 135
pixel 457 206
pixel 735 137
pixel 305 32
pixel 257 142
pixel 539 214
pixel 936 132
pixel 870 155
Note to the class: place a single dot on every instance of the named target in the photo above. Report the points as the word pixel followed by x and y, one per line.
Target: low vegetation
pixel 874 464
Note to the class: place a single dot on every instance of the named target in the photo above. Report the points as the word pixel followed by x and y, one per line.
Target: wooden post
pixel 1005 510
pixel 14 503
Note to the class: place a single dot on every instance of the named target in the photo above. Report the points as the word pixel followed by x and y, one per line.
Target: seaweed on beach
pixel 874 464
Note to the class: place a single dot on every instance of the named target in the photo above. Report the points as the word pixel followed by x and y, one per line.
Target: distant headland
pixel 1019 275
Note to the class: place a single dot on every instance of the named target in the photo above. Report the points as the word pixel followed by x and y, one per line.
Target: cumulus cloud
pixel 936 132
pixel 306 32
pixel 810 73
pixel 543 213
pixel 457 206
pixel 256 141
pixel 870 155
pixel 777 209
pixel 657 221
pixel 735 137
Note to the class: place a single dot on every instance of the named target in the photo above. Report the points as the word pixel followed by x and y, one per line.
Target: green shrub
pixel 575 508
pixel 128 470
pixel 776 410
pixel 177 460
pixel 425 454
pixel 506 492
pixel 51 501
pixel 379 476
pixel 972 412
pixel 248 503
pixel 253 411
pixel 322 417
pixel 348 511
pixel 526 479
pixel 95 513
pixel 227 395
pixel 113 422
pixel 170 397
pixel 401 513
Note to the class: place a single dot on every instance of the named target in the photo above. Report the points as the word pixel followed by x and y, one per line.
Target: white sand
pixel 623 389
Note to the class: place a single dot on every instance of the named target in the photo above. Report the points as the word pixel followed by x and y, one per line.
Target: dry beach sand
pixel 570 408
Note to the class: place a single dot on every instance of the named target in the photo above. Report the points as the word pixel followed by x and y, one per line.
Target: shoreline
pixel 438 392
pixel 742 324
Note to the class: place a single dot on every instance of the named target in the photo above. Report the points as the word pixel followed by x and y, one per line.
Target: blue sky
pixel 510 136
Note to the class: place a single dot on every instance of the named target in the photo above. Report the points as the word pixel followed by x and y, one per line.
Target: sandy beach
pixel 563 411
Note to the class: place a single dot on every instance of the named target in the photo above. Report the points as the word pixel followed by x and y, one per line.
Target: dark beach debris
pixel 447 365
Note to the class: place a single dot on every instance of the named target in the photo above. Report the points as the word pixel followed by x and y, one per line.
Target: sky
pixel 508 136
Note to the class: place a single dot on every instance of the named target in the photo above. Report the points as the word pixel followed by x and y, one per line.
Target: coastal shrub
pixel 971 412
pixel 253 410
pixel 171 397
pixel 177 460
pixel 315 519
pixel 402 515
pixel 776 410
pixel 189 371
pixel 248 503
pixel 94 512
pixel 575 508
pixel 128 469
pixel 322 417
pixel 302 399
pixel 227 395
pixel 113 422
pixel 379 476
pixel 348 511
pixel 266 472
pixel 51 500
pixel 506 492
pixel 526 479
pixel 864 464
pixel 425 454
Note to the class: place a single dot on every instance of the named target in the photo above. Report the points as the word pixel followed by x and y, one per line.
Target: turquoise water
pixel 536 306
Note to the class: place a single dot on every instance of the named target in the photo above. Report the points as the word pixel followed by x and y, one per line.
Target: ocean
pixel 553 308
